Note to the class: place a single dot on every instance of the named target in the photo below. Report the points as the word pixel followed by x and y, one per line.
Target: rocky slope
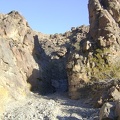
pixel 31 60
pixel 84 60
pixel 99 60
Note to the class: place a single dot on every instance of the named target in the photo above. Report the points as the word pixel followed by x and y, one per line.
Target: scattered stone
pixel 107 112
pixel 110 111
pixel 117 109
pixel 51 107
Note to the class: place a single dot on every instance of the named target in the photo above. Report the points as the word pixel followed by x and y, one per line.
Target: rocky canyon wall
pixel 33 61
pixel 100 60
pixel 16 57
pixel 30 60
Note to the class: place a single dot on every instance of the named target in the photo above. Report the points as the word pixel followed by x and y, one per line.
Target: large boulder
pixel 110 111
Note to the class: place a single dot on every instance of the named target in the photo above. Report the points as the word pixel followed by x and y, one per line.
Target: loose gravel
pixel 55 106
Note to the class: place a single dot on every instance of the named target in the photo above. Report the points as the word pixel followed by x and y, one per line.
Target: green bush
pixel 102 68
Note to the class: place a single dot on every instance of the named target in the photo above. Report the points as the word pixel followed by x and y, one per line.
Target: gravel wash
pixel 55 106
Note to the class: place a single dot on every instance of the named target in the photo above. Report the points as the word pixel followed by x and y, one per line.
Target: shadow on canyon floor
pixel 73 109
pixel 41 83
pixel 49 69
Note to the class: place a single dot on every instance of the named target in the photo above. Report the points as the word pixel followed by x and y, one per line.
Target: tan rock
pixel 107 112
pixel 114 93
pixel 99 51
pixel 16 60
pixel 4 97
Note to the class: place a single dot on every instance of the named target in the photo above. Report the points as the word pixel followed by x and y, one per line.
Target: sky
pixel 49 16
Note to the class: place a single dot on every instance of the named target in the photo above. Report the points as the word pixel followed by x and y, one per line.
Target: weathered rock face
pixel 31 60
pixel 53 52
pixel 99 53
pixel 104 21
pixel 16 61
pixel 104 27
pixel 110 111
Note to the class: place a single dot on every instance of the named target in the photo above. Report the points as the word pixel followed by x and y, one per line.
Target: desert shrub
pixel 103 69
pixel 76 46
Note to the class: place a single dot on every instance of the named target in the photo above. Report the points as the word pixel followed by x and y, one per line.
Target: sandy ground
pixel 55 106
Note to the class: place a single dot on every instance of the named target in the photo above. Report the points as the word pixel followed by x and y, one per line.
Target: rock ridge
pixel 99 60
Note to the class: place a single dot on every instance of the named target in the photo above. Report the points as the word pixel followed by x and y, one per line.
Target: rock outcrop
pixel 31 60
pixel 110 111
pixel 102 91
pixel 16 57
pixel 104 32
pixel 99 53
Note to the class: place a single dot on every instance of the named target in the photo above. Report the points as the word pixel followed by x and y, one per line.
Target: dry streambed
pixel 51 107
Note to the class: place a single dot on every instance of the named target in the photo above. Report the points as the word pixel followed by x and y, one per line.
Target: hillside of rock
pixel 33 61
pixel 82 61
pixel 16 57
pixel 99 60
